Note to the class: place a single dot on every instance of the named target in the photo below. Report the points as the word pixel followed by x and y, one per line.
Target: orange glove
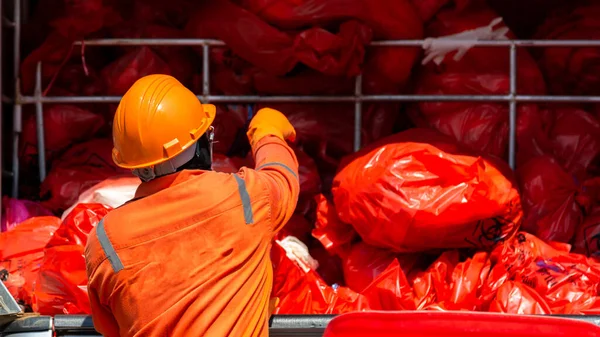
pixel 270 122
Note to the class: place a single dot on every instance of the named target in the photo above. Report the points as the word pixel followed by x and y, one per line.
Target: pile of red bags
pixel 61 285
pixel 426 219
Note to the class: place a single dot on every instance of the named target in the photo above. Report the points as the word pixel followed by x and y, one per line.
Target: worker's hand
pixel 270 122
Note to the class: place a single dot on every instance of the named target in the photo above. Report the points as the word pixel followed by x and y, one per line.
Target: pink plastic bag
pixel 15 211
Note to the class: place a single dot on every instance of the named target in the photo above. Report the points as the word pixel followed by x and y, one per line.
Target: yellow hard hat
pixel 157 119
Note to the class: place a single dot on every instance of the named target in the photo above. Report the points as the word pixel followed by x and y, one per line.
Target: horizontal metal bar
pixel 330 99
pixel 389 43
pixel 151 42
pixel 495 43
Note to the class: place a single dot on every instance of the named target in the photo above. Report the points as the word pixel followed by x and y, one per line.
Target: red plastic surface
pixel 455 324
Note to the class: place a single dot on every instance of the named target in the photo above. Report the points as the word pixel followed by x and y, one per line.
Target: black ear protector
pixel 203 156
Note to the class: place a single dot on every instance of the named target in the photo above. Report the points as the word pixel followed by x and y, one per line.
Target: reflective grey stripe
pixel 278 164
pixel 108 248
pixel 248 216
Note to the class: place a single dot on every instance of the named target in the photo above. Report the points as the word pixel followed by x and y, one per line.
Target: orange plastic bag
pixel 364 263
pixel 569 283
pixel 333 234
pixel 435 282
pixel 61 286
pixel 22 251
pixel 301 291
pixel 78 224
pixel 390 290
pixel 517 298
pixel 414 191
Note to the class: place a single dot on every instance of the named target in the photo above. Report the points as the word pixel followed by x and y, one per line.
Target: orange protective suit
pixel 190 257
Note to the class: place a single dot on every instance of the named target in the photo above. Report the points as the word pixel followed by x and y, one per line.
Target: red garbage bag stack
pixel 22 251
pixel 415 191
pixel 587 237
pixel 482 127
pixel 554 201
pixel 120 75
pixel 65 125
pixel 572 70
pixel 78 169
pixel 567 133
pixel 302 291
pixel 61 286
pixel 567 282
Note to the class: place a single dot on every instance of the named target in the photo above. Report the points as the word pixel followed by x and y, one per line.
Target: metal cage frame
pixel 512 98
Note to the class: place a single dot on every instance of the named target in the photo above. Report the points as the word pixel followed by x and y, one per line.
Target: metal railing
pixel 512 98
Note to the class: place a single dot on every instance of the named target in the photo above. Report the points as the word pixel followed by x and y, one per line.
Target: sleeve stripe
pixel 246 204
pixel 108 248
pixel 278 164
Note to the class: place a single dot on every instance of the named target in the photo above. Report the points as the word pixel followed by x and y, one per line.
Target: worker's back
pixel 190 257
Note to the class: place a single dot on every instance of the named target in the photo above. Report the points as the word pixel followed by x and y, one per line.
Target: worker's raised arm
pixel 276 162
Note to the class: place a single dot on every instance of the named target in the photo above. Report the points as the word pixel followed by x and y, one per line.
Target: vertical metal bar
pixel 17 127
pixel 357 112
pixel 512 131
pixel 205 72
pixel 1 103
pixel 39 122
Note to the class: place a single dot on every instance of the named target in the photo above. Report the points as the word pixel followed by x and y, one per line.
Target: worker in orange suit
pixel 189 255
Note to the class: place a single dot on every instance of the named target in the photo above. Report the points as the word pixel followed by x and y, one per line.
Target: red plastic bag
pixel 387 69
pixel 587 239
pixel 566 133
pixel 463 201
pixel 365 263
pixel 78 224
pixel 79 169
pixel 482 127
pixel 434 284
pixel 180 59
pixel 279 52
pixel 61 286
pixel 120 75
pixel 553 202
pixel 301 291
pixel 15 211
pixel 67 124
pixel 517 298
pixel 569 283
pixel 333 234
pixel 22 251
pixel 390 290
pixel 572 70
